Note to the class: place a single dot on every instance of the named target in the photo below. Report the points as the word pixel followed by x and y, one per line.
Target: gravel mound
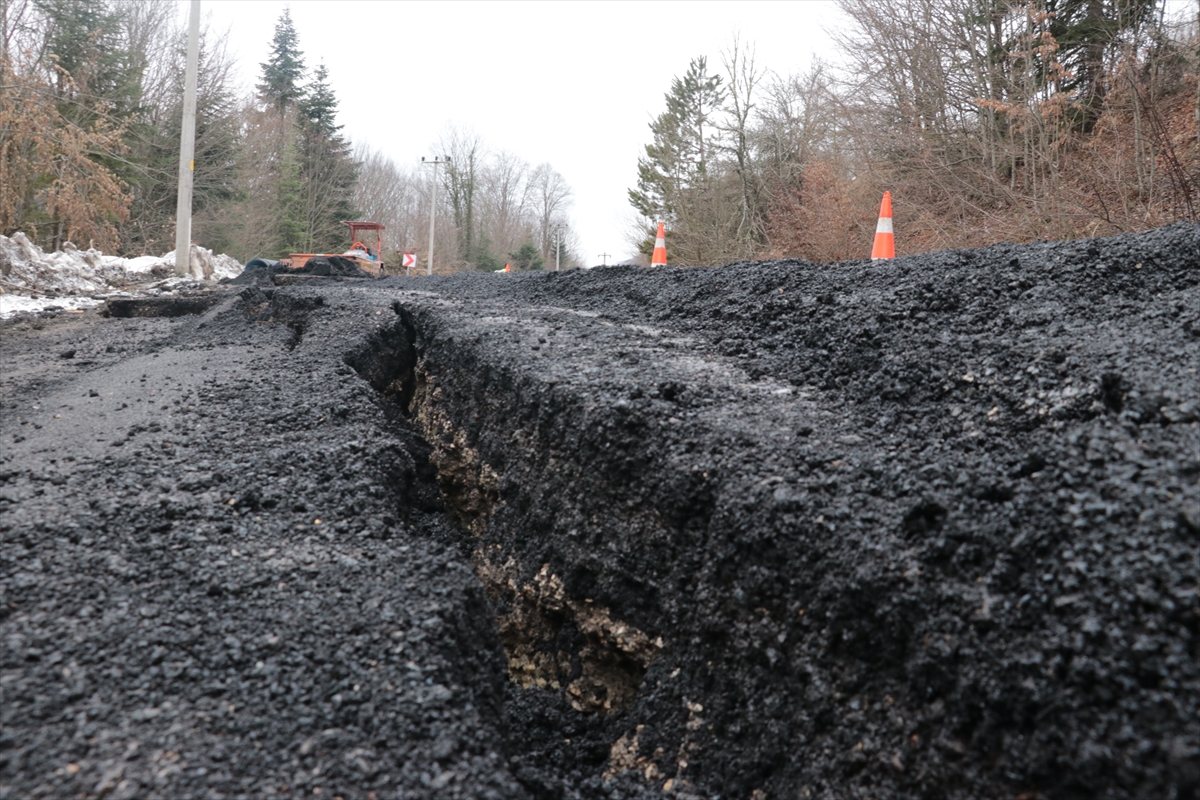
pixel 258 272
pixel 337 266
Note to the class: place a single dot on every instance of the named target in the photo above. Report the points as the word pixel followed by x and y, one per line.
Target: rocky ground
pixel 921 528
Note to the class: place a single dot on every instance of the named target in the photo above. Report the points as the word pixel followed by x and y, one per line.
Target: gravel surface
pixel 921 528
pixel 225 572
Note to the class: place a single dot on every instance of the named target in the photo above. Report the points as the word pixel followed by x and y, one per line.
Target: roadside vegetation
pixel 91 97
pixel 988 120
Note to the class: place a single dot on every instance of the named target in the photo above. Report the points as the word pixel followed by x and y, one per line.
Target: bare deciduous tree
pixel 551 198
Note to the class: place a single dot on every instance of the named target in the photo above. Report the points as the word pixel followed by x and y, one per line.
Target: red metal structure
pixel 355 227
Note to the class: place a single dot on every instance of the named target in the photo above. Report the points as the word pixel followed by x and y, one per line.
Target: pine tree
pixel 92 70
pixel 292 231
pixel 677 161
pixel 327 170
pixel 673 177
pixel 1085 32
pixel 482 257
pixel 217 145
pixel 274 214
pixel 527 258
pixel 284 70
pixel 318 106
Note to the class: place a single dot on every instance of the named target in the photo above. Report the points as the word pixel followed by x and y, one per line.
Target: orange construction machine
pixel 368 260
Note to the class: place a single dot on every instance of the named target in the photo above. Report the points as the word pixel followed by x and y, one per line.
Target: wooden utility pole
pixel 433 205
pixel 187 153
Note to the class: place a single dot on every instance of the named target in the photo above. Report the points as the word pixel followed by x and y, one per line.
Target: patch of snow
pixel 214 267
pixel 11 304
pixel 26 269
pixel 142 265
pixel 26 272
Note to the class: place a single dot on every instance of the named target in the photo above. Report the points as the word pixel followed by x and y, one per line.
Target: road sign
pixel 409 261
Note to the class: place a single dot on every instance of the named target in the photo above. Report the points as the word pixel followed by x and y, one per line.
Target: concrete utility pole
pixel 604 259
pixel 187 153
pixel 557 247
pixel 432 205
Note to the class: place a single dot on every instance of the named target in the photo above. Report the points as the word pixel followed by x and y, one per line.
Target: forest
pixel 987 120
pixel 91 97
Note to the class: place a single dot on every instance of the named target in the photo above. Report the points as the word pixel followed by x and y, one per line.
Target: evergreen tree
pixel 274 211
pixel 677 161
pixel 674 184
pixel 482 257
pixel 318 105
pixel 292 232
pixel 217 144
pixel 1086 31
pixel 327 171
pixel 92 71
pixel 284 70
pixel 526 258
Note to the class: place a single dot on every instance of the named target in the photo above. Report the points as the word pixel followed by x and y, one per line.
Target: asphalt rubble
pixel 922 528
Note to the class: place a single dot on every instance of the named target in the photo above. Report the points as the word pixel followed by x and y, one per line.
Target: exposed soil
pixel 921 528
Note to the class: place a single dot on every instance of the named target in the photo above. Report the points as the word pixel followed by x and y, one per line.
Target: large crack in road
pixel 922 528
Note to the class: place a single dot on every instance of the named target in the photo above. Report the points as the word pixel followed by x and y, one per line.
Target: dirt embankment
pixel 922 528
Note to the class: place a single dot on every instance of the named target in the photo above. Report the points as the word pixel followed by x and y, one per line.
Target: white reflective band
pixel 884 226
pixel 660 242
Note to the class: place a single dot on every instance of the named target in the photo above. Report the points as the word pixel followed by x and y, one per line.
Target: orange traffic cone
pixel 508 267
pixel 885 242
pixel 659 259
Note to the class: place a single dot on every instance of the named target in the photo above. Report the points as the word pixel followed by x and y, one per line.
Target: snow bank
pixel 27 274
pixel 215 267
pixel 25 269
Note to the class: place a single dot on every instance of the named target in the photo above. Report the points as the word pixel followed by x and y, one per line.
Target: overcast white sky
pixel 572 83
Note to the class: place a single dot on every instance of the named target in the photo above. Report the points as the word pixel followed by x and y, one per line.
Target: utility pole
pixel 187 153
pixel 557 247
pixel 604 259
pixel 432 205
